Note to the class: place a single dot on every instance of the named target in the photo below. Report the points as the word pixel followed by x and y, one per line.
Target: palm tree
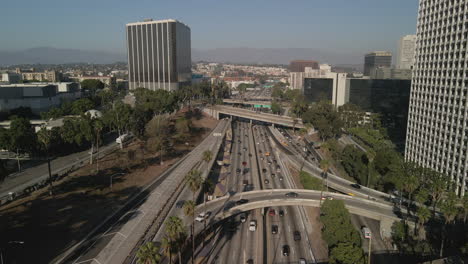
pixel 449 210
pixel 194 180
pixel 148 254
pixel 175 229
pixel 325 166
pixel 423 216
pixel 208 187
pixel 410 175
pixel 207 156
pixel 44 136
pixel 189 210
pixel 464 208
pixel 167 247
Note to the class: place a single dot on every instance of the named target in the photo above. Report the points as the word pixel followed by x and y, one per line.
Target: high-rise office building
pixel 405 55
pixel 376 60
pixel 159 54
pixel 437 135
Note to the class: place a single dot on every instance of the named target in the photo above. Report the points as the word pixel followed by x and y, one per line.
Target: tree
pixel 437 185
pixel 207 156
pixel 119 117
pixel 189 210
pixel 423 215
pixel 158 134
pixel 22 138
pixel 194 180
pixel 92 86
pixel 276 108
pixel 464 207
pixel 449 211
pixel 176 232
pixel 167 247
pixel 347 253
pixel 355 162
pixel 299 105
pixel 325 119
pixel 82 105
pixel 337 226
pixel 148 254
pixel 45 137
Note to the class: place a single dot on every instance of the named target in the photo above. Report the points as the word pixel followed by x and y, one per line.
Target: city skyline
pixel 100 30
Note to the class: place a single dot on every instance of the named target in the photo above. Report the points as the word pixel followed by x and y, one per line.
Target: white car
pixel 253 225
pixel 202 216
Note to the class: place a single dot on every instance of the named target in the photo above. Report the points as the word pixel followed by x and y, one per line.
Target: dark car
pixel 180 204
pixel 250 261
pixel 242 201
pixel 286 250
pixel 274 229
pixel 356 186
pixel 238 170
pixel 264 170
pixel 292 194
pixel 281 213
pixel 297 236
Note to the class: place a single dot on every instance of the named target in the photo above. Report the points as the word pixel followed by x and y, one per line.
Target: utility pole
pixel 370 250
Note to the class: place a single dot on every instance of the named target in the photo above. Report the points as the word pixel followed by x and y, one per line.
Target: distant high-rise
pixel 405 55
pixel 159 54
pixel 376 60
pixel 300 65
pixel 437 135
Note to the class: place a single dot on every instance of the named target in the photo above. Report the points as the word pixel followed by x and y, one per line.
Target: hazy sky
pixel 351 26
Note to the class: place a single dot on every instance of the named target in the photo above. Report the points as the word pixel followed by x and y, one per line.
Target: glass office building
pixel 159 54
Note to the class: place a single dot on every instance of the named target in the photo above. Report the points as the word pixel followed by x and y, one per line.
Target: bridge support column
pixel 273 125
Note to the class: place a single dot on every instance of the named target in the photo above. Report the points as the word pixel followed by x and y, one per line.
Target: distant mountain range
pixel 48 55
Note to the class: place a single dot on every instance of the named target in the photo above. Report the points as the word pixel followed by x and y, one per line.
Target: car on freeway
pixel 351 194
pixel 327 198
pixel 244 163
pixel 281 213
pixel 269 162
pixel 273 175
pixel 271 212
pixel 274 229
pixel 285 250
pixel 250 154
pixel 264 170
pixel 297 236
pixel 239 153
pixel 278 168
pixel 238 170
pixel 245 149
pixel 302 261
pixel 280 178
pixel 243 218
pixel 242 201
pixel 260 151
pixel 253 225
pixel 202 216
pixel 266 181
pixel 250 261
pixel 356 186
pixel 292 194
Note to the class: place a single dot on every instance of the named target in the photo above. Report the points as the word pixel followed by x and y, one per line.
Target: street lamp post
pixel 370 249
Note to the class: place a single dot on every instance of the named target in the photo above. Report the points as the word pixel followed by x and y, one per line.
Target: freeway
pixel 262 169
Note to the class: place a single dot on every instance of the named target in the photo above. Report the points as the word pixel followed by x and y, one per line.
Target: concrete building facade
pixel 405 54
pixel 437 135
pixel 376 59
pixel 33 75
pixel 159 54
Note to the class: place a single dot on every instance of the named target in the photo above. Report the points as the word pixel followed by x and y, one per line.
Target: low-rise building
pixel 37 96
pixel 33 75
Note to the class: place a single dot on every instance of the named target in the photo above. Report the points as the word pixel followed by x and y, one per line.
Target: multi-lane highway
pixel 281 233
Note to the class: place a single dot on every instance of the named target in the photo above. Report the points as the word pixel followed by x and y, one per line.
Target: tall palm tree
pixel 175 230
pixel 167 247
pixel 450 211
pixel 189 210
pixel 423 215
pixel 148 254
pixel 44 136
pixel 207 156
pixel 194 180
pixel 208 187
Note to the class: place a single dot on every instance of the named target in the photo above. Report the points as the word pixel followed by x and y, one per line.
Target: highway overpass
pixel 225 206
pixel 286 121
pixel 243 102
